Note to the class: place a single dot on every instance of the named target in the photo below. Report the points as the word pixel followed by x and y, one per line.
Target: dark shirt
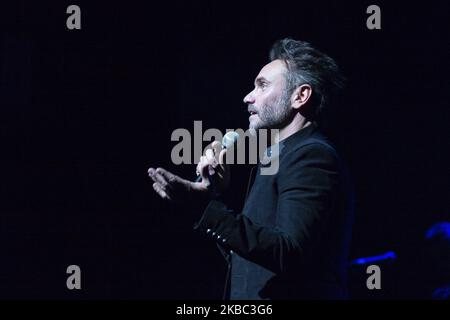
pixel 291 240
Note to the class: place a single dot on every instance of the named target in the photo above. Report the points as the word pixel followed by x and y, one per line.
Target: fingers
pixel 152 174
pixel 174 182
pixel 167 176
pixel 214 159
pixel 216 146
pixel 213 164
pixel 222 156
pixel 209 154
pixel 163 182
pixel 204 167
pixel 159 178
pixel 161 192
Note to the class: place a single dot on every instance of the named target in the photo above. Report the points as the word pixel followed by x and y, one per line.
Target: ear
pixel 301 96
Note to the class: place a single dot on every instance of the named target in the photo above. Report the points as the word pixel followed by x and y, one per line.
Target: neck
pixel 297 124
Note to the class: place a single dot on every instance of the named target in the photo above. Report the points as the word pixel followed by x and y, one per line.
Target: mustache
pixel 251 108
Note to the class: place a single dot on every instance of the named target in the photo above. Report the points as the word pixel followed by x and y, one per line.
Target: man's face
pixel 269 103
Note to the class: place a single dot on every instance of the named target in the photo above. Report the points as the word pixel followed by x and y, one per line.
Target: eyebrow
pixel 259 80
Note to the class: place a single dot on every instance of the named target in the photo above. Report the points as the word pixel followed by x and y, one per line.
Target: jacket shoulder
pixel 315 145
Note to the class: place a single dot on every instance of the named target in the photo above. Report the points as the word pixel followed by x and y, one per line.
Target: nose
pixel 249 98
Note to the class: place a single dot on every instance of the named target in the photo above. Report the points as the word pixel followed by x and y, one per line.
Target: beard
pixel 275 114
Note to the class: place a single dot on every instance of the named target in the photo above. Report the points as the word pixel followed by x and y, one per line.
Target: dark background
pixel 84 113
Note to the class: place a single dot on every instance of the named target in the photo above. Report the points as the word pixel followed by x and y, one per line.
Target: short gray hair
pixel 307 65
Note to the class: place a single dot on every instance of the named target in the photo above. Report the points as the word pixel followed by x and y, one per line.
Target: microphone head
pixel 229 139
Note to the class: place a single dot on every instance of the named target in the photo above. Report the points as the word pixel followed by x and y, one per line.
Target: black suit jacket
pixel 291 239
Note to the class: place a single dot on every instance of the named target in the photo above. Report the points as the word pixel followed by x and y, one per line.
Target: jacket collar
pixel 288 143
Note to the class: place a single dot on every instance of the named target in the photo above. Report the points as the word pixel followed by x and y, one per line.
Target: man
pixel 291 239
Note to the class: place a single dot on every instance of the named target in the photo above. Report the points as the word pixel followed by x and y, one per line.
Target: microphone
pixel 228 141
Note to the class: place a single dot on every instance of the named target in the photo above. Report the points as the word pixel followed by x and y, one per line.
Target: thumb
pixel 222 157
pixel 216 145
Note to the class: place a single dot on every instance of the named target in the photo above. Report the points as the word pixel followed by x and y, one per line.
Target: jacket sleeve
pixel 307 185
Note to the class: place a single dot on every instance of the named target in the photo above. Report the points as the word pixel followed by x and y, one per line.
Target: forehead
pixel 273 70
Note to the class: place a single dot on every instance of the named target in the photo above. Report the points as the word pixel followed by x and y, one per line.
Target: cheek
pixel 265 99
pixel 269 101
